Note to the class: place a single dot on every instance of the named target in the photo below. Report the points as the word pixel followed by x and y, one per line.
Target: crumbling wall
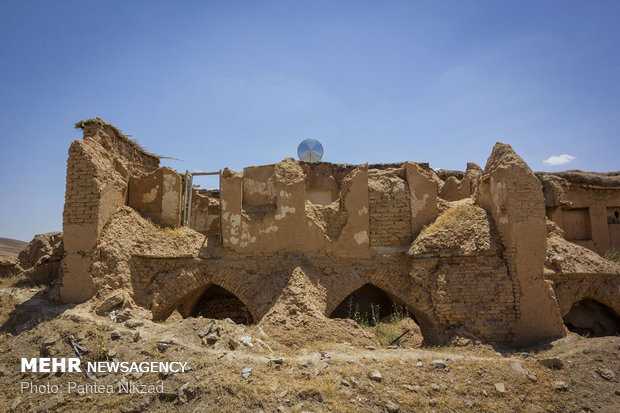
pixel 422 196
pixel 157 195
pixel 458 260
pixel 513 196
pixel 98 169
pixel 262 226
pixel 585 212
pixel 390 208
pixel 205 214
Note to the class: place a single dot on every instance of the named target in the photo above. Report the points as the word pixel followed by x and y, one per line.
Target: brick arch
pixel 569 289
pixel 613 304
pixel 186 287
pixel 402 288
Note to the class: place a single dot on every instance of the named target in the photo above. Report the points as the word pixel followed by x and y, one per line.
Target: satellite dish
pixel 310 150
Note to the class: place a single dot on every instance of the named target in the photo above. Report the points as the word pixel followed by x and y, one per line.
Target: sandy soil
pixel 320 366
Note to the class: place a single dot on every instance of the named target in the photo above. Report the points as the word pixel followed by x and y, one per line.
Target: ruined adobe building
pixel 470 255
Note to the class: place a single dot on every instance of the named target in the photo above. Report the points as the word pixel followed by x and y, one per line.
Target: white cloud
pixel 559 159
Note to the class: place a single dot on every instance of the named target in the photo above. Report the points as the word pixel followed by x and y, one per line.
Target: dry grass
pixel 454 219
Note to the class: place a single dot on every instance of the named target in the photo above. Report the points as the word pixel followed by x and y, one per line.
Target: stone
pixel 15 403
pixel 419 364
pixel 123 316
pixel 162 347
pixel 345 383
pixel 245 373
pixel 134 323
pixel 353 381
pixel 229 321
pixel 552 363
pixel 605 373
pixel 523 372
pixel 371 348
pixel 375 375
pixel 115 335
pixel 500 387
pixel 392 407
pixel 435 387
pixel 207 330
pixel 438 363
pixel 110 303
pixel 559 385
pixel 135 336
pixel 234 344
pixel 432 402
pixel 51 404
pixel 210 340
pixel 247 340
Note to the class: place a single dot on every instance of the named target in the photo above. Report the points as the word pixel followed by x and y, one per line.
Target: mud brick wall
pixel 390 218
pixel 81 196
pixel 474 293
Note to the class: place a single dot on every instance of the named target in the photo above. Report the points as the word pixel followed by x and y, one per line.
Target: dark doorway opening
pixel 218 303
pixel 368 305
pixel 590 318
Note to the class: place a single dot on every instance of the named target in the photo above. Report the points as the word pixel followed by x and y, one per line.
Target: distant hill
pixel 11 247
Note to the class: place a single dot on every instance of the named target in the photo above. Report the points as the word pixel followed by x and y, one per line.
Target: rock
pixel 370 348
pixel 110 303
pixel 134 323
pixel 327 271
pixel 559 385
pixel 162 347
pixel 438 364
pixel 208 329
pixel 229 321
pixel 112 353
pixel 51 404
pixel 247 340
pixel 277 362
pixel 419 364
pixel 392 407
pixel 353 381
pixel 605 373
pixel 552 363
pixel 123 316
pixel 526 373
pixel 234 344
pixel 500 387
pixel 170 341
pixel 115 335
pixel 435 387
pixel 432 402
pixel 135 336
pixel 345 383
pixel 210 340
pixel 375 375
pixel 16 403
pixel 245 373
pixel 392 347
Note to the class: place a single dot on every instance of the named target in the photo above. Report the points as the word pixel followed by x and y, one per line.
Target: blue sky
pixel 238 83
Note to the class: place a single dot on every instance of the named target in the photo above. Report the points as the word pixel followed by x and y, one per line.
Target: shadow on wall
pixel 589 318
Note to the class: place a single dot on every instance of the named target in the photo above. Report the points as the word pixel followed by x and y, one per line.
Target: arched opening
pixel 391 320
pixel 219 303
pixel 590 318
pixel 367 305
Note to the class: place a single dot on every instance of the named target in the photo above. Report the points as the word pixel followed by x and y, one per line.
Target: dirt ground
pixel 317 366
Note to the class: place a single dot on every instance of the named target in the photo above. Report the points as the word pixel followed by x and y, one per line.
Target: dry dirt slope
pixel 11 247
pixel 338 370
